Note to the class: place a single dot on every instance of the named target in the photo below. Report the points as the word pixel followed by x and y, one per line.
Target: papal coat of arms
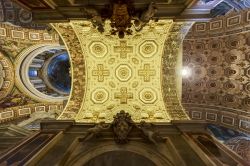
pixel 122 125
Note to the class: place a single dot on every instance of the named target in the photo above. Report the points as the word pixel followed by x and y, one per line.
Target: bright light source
pixel 185 72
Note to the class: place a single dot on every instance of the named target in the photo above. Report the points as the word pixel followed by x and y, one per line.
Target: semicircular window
pixel 58 73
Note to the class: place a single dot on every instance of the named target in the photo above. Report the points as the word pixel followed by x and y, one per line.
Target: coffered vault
pixel 111 74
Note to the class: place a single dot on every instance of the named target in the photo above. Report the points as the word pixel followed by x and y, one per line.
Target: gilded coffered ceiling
pixel 121 74
pixel 217 54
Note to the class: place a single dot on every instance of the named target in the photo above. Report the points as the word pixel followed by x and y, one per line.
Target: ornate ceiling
pixel 14 42
pixel 124 73
pixel 217 53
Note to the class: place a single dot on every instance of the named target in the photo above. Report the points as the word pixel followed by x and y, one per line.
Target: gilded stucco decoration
pixel 12 13
pixel 171 70
pixel 22 111
pixel 74 49
pixel 110 59
pixel 14 103
pixel 217 54
pixel 6 76
pixel 221 77
pixel 14 39
pixel 121 74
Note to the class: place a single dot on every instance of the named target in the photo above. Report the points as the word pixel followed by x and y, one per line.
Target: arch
pixel 171 65
pixel 120 158
pixel 137 148
pixel 77 63
pixel 22 78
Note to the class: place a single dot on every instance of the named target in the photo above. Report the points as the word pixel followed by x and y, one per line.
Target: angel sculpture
pixel 151 135
pixel 13 101
pixel 94 131
pixel 146 16
pixel 95 18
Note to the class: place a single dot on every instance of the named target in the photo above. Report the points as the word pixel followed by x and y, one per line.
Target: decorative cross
pixel 123 95
pixel 146 72
pixel 100 73
pixel 123 49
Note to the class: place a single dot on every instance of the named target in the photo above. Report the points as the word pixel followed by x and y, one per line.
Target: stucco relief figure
pixel 95 18
pixel 146 16
pixel 13 101
pixel 50 30
pixel 122 126
pixel 94 131
pixel 147 130
pixel 11 47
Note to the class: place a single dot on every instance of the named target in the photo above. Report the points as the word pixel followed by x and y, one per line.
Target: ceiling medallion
pixel 122 16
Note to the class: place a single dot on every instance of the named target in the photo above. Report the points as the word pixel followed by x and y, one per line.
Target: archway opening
pixel 121 158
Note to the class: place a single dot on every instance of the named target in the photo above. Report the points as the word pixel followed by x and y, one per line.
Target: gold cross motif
pixel 100 73
pixel 123 49
pixel 146 72
pixel 123 95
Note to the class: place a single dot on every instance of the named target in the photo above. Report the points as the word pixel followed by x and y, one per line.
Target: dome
pixel 58 72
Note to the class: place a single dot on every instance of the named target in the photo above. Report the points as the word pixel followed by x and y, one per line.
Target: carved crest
pixel 122 126
pixel 122 16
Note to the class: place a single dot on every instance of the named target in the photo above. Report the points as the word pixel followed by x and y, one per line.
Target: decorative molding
pixel 223 116
pixel 6 76
pixel 6 114
pixel 40 108
pixel 17 34
pixel 215 25
pixel 233 23
pixel 2 32
pixel 9 32
pixel 34 36
pixel 12 113
pixel 211 116
pixel 196 115
pixel 24 111
pixel 227 120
